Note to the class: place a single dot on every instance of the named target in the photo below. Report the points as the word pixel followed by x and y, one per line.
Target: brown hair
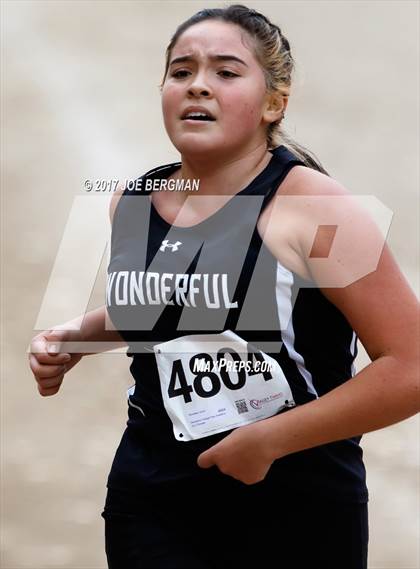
pixel 272 50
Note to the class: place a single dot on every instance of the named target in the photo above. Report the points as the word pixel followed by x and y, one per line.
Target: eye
pixel 228 74
pixel 180 73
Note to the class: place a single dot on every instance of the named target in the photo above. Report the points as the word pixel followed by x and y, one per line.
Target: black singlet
pixel 237 285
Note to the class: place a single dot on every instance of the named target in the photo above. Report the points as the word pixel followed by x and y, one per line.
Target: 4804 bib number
pixel 213 383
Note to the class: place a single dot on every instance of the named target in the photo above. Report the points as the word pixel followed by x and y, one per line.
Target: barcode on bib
pixel 241 406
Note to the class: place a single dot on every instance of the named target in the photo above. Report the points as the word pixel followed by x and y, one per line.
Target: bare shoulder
pixel 289 219
pixel 114 201
pixel 330 234
pixel 302 180
pixel 340 243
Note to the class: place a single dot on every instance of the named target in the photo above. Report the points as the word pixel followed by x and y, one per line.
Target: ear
pixel 275 105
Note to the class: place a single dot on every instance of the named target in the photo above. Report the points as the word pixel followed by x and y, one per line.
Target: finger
pixel 51 381
pixel 205 460
pixel 48 359
pixel 45 371
pixel 53 347
pixel 53 341
pixel 39 347
pixel 48 391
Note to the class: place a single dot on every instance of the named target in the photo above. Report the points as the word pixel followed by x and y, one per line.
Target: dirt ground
pixel 80 100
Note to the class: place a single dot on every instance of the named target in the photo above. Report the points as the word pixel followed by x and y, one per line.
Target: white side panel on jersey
pixel 284 283
pixel 353 353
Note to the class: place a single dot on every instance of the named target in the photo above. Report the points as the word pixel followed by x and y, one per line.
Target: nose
pixel 198 92
pixel 199 87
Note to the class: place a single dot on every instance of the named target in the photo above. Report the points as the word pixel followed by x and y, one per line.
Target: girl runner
pixel 241 305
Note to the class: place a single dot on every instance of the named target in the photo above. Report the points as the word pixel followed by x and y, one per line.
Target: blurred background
pixel 80 100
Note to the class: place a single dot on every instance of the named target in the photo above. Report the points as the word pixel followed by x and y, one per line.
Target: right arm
pixel 49 363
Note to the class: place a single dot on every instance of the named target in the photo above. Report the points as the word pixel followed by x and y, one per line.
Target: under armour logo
pixel 173 246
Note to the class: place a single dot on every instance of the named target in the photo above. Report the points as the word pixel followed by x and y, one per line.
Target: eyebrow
pixel 219 57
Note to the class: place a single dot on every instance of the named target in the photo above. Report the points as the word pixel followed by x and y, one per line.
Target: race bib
pixel 217 382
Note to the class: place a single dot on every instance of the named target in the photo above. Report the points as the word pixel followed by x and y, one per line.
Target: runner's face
pixel 233 91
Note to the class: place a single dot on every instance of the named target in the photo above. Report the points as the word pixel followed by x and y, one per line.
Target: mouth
pixel 197 116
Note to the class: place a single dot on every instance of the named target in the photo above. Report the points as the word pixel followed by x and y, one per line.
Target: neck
pixel 224 175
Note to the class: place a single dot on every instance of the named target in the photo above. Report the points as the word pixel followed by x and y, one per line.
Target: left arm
pixel 383 311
